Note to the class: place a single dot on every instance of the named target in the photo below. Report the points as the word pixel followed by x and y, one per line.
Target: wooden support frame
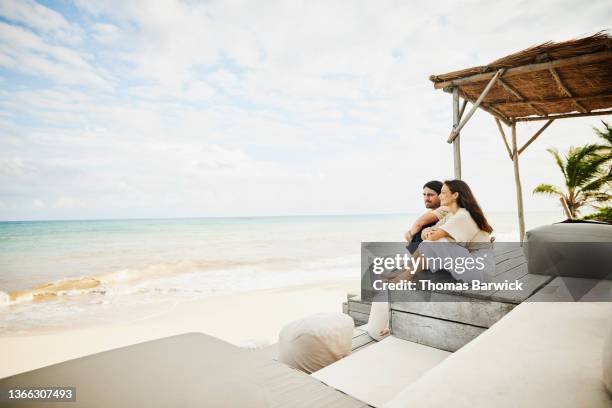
pixel 549 100
pixel 497 113
pixel 488 108
pixel 566 91
pixel 457 113
pixel 518 95
pixel 541 109
pixel 563 116
pixel 582 59
pixel 514 153
pixel 519 188
pixel 465 101
pixel 455 132
pixel 503 135
pixel 535 136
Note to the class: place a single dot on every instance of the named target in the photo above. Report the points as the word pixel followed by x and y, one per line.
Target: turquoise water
pixel 135 263
pixel 35 253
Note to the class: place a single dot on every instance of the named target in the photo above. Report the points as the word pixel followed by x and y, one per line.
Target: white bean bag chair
pixel 316 341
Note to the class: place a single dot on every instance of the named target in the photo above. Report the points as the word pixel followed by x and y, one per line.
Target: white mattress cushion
pixel 539 355
pixel 316 341
pixel 380 371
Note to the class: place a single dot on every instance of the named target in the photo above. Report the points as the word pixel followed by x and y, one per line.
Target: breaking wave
pixel 124 278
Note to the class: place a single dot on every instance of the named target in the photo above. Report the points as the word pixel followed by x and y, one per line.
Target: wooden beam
pixel 497 113
pixel 517 180
pixel 563 116
pixel 456 143
pixel 549 100
pixel 462 108
pixel 566 91
pixel 487 108
pixel 535 136
pixel 518 95
pixel 503 135
pixel 524 69
pixel 484 93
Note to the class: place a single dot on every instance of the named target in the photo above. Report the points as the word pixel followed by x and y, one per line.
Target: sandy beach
pixel 242 319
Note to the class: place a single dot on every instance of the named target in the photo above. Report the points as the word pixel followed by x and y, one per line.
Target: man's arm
pixel 425 219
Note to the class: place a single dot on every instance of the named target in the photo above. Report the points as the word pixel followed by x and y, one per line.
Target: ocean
pixel 54 274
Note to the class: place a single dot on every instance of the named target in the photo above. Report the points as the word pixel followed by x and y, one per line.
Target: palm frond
pixel 596 184
pixel 558 159
pixel 597 197
pixel 603 214
pixel 582 164
pixel 605 133
pixel 547 189
pixel 590 169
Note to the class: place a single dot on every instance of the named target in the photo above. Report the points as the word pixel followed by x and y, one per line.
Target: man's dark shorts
pixel 416 239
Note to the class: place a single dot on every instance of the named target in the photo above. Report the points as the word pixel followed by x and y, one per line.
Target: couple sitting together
pixel 454 219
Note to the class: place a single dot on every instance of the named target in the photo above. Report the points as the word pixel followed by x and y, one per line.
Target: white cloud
pixel 39 17
pixel 12 167
pixel 33 15
pixel 106 33
pixel 223 78
pixel 271 107
pixel 22 50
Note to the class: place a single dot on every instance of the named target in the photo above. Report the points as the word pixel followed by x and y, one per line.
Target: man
pixel 431 190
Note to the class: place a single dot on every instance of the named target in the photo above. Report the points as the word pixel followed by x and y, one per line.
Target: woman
pixel 466 231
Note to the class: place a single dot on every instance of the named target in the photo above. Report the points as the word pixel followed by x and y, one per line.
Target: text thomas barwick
pixel 379 284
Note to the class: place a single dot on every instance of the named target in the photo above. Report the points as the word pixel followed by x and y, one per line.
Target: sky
pixel 161 108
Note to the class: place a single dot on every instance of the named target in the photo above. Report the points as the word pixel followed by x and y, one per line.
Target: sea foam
pixel 4 298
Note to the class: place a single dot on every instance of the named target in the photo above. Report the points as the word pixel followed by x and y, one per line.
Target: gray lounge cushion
pixel 571 232
pixel 579 250
pixel 189 370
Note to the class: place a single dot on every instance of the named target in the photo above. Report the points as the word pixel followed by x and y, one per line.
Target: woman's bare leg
pixel 378 322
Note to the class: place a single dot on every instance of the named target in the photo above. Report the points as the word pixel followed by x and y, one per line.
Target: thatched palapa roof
pixel 551 80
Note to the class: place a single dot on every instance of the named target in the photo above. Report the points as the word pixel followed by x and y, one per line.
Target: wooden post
pixel 535 136
pixel 503 135
pixel 459 126
pixel 456 141
pixel 517 179
pixel 465 101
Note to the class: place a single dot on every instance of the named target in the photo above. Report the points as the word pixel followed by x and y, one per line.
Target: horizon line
pixel 232 216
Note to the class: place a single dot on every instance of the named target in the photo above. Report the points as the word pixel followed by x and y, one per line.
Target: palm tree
pixel 605 134
pixel 585 176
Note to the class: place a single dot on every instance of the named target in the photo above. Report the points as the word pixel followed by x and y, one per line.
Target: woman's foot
pixel 384 333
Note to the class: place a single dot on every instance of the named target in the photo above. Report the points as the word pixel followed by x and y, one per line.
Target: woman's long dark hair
pixel 467 200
